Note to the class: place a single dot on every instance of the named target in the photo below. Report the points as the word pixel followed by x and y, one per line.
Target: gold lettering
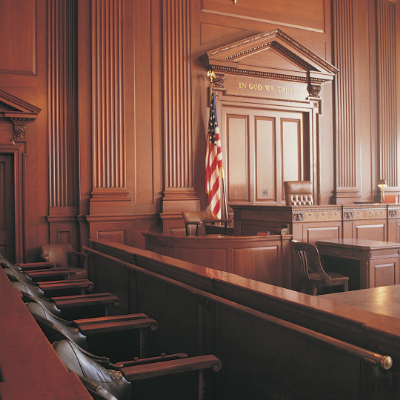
pixel 242 85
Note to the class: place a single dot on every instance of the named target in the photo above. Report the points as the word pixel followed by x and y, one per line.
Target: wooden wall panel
pixel 291 150
pixel 375 231
pixel 305 15
pixel 18 37
pixel 265 149
pixel 238 158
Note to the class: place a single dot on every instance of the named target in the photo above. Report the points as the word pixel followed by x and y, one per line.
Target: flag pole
pixel 211 75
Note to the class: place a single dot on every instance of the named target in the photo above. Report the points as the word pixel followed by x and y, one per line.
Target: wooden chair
pixel 116 379
pixel 312 272
pixel 195 222
pixel 298 193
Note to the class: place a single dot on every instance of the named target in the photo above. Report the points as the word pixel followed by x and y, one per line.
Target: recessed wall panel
pixel 238 160
pixel 265 159
pixel 18 37
pixel 291 145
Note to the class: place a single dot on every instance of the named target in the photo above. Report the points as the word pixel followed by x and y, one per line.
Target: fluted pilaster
pixel 108 135
pixel 62 63
pixel 387 107
pixel 177 106
pixel 346 155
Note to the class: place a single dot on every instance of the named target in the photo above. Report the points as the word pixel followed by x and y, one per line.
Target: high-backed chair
pixel 118 382
pixel 195 222
pixel 298 193
pixel 312 273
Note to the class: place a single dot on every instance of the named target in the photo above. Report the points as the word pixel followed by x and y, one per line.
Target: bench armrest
pixel 138 372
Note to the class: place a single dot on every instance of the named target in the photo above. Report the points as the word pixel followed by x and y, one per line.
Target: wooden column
pixel 387 86
pixel 109 195
pixel 179 194
pixel 63 158
pixel 347 159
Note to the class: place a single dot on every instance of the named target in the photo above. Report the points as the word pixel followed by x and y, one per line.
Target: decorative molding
pixel 347 162
pixel 281 43
pixel 387 99
pixel 62 62
pixel 18 112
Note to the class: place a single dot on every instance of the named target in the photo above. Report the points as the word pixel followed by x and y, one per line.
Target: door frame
pixel 16 148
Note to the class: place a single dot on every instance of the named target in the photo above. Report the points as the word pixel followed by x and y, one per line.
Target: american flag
pixel 214 167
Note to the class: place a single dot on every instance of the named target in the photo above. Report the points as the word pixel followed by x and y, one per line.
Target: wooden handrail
pixel 381 361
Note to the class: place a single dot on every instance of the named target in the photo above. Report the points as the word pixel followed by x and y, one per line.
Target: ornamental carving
pixel 348 215
pixel 18 112
pixel 298 217
pixel 19 131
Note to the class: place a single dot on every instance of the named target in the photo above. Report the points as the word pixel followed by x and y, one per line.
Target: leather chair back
pixel 194 222
pixel 298 193
pixel 56 328
pixel 57 253
pixel 77 361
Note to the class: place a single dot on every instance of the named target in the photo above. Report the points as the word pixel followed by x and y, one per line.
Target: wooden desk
pixel 367 263
pixel 375 221
pixel 383 300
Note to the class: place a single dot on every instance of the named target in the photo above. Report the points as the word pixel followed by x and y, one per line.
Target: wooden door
pixel 263 148
pixel 7 204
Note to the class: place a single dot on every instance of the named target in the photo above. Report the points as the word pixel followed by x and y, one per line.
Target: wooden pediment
pixel 18 112
pixel 13 108
pixel 272 55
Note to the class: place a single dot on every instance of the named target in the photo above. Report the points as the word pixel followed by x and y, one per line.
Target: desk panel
pixel 263 258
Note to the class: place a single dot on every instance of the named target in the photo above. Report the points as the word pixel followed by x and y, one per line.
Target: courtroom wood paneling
pixel 303 16
pixel 264 147
pixel 18 46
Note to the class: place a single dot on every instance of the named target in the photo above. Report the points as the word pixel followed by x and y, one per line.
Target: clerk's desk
pixel 371 221
pixel 367 263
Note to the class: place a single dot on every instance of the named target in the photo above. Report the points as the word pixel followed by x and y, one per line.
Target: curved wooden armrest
pixel 50 273
pixel 197 363
pixel 66 284
pixel 38 266
pixel 85 300
pixel 115 323
pixel 151 360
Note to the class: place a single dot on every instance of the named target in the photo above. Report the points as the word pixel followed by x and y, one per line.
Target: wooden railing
pixel 297 351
